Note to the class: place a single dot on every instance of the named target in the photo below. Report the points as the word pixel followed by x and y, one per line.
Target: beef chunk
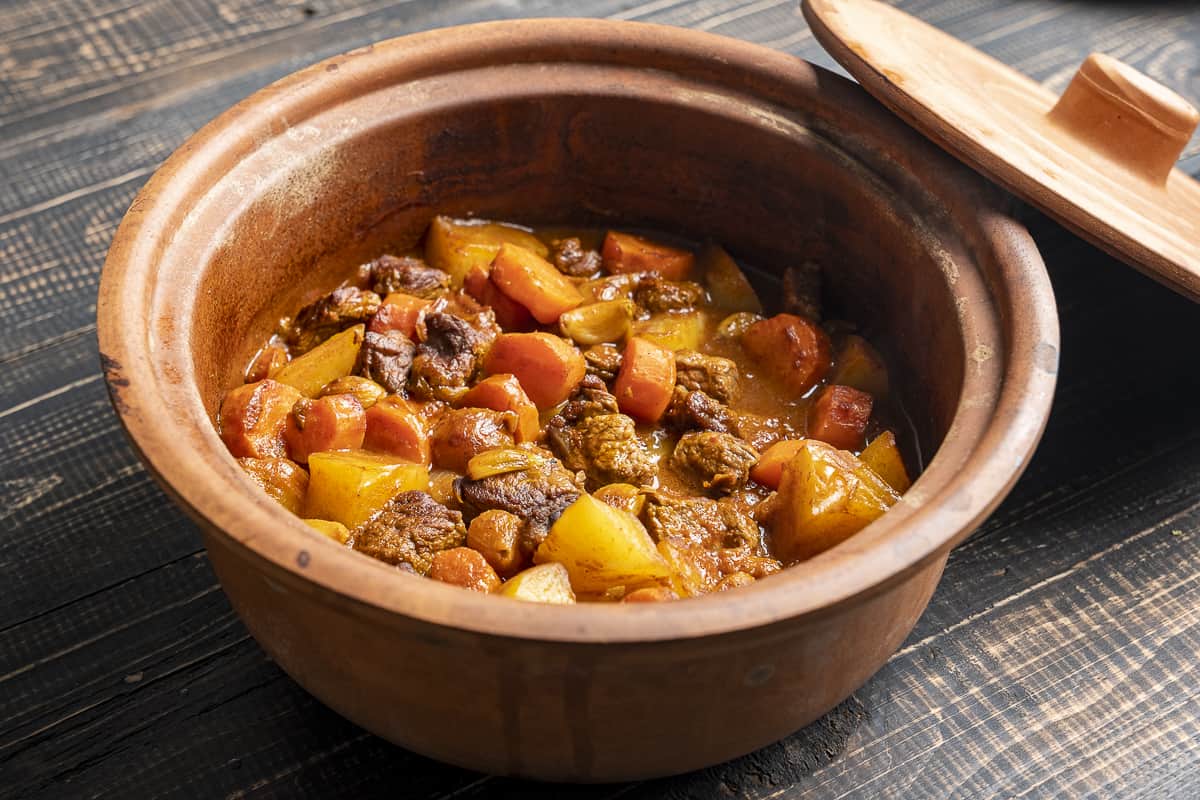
pixel 802 290
pixel 322 318
pixel 409 530
pixel 699 521
pixel 658 294
pixel 462 433
pixel 605 446
pixel 387 358
pixel 717 461
pixel 572 259
pixel 591 399
pixel 696 410
pixel 408 275
pixel 715 376
pixel 537 494
pixel 446 358
pixel 603 361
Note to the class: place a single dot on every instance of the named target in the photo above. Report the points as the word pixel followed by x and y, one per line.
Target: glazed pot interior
pixel 773 190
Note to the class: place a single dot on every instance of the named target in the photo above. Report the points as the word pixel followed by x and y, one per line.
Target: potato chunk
pixel 332 359
pixel 602 547
pixel 546 583
pixel 883 457
pixel 673 330
pixel 726 283
pixel 349 486
pixel 826 495
pixel 860 366
pixel 457 246
pixel 334 530
pixel 280 478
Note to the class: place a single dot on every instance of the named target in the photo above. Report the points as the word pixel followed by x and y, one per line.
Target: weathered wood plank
pixel 1054 660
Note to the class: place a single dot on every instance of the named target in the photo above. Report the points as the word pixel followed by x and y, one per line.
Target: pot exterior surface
pixel 578 713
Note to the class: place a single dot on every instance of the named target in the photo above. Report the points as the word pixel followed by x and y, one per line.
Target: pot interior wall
pixel 771 188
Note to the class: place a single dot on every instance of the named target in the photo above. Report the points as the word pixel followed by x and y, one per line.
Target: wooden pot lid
pixel 1100 159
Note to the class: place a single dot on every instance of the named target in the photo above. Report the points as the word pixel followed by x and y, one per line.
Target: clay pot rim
pixel 932 518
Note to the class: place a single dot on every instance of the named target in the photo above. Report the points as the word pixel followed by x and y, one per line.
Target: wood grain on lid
pixel 1100 159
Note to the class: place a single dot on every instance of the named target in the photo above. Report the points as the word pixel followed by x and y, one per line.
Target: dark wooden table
pixel 1058 657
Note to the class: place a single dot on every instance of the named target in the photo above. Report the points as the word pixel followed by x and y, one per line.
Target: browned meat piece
pixel 699 521
pixel 696 410
pixel 410 529
pixel 408 275
pixel 715 376
pixel 446 358
pixel 462 433
pixel 571 259
pixel 802 290
pixel 658 294
pixel 591 399
pixel 322 318
pixel 603 361
pixel 605 446
pixel 717 461
pixel 537 494
pixel 747 561
pixel 387 359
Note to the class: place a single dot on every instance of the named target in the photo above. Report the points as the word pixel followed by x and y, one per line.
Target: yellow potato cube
pixel 826 495
pixel 883 457
pixel 673 331
pixel 728 286
pixel 547 583
pixel 332 359
pixel 458 246
pixel 859 366
pixel 601 547
pixel 348 486
pixel 334 530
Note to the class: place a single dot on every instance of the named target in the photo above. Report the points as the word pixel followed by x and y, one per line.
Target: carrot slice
pixel 646 381
pixel 794 350
pixel 534 282
pixel 253 418
pixel 840 417
pixel 624 252
pixel 510 315
pixel 504 393
pixel 769 469
pixel 547 366
pixel 399 312
pixel 396 426
pixel 333 422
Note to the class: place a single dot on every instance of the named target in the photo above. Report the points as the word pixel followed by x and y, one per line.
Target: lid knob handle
pixel 1134 120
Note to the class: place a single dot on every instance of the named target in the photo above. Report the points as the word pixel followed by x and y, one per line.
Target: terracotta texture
pixel 577 121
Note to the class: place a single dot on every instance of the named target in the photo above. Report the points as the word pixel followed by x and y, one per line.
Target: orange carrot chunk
pixel 395 426
pixel 510 315
pixel 504 393
pixel 253 417
pixel 792 349
pixel 399 312
pixel 547 366
pixel 534 282
pixel 840 416
pixel 624 252
pixel 647 378
pixel 769 469
pixel 334 422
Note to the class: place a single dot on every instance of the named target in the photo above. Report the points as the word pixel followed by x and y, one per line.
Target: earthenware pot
pixel 559 120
